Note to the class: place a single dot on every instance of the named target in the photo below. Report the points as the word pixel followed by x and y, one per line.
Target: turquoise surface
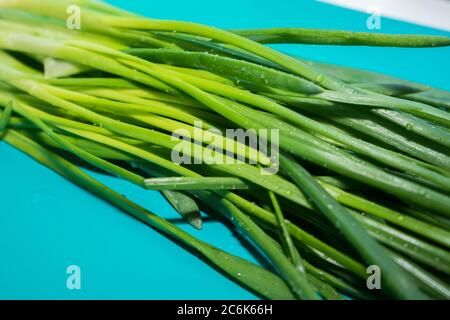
pixel 47 224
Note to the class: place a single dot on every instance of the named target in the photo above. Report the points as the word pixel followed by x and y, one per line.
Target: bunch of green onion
pixel 364 163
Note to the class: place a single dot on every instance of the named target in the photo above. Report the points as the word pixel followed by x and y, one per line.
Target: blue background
pixel 47 224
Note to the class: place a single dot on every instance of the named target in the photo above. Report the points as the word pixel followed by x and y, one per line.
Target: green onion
pixel 5 118
pixel 262 281
pixel 190 183
pixel 338 37
pixel 398 281
pixel 355 171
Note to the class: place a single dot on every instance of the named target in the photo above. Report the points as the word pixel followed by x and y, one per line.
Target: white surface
pixel 431 13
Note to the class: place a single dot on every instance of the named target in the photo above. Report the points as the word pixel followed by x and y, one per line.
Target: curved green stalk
pixel 183 203
pixel 195 183
pixel 296 280
pixel 342 38
pixel 324 289
pixel 5 118
pixel 375 127
pixel 396 280
pixel 427 230
pixel 408 245
pixel 285 236
pixel 381 101
pixel 241 72
pixel 335 282
pixel 379 179
pixel 298 284
pixel 424 93
pixel 430 283
pixel 296 232
pixel 258 279
pixel 380 154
